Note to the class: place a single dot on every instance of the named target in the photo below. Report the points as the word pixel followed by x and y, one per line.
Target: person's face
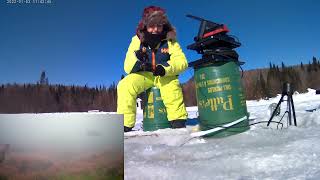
pixel 155 29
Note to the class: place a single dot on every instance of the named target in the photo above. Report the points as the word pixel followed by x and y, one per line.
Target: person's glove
pixel 141 55
pixel 146 66
pixel 159 71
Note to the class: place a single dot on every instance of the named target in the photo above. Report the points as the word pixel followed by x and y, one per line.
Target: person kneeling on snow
pixel 154 58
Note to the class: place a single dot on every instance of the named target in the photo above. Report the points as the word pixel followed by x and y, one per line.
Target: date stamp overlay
pixel 29 1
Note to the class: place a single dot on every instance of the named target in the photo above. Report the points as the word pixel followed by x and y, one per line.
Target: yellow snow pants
pixel 135 83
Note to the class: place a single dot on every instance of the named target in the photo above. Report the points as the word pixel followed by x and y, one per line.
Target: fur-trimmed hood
pixel 155 15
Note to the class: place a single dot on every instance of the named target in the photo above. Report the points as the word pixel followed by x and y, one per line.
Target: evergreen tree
pixel 43 79
pixel 309 68
pixel 263 86
pixel 314 64
pixel 283 66
pixel 314 61
pixel 273 83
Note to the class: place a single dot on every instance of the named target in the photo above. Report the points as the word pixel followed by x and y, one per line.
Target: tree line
pixel 43 97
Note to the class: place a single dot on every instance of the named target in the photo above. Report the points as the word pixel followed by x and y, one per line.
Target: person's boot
pixel 127 129
pixel 178 124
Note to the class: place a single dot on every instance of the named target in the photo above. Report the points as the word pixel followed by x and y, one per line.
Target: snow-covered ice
pixel 259 153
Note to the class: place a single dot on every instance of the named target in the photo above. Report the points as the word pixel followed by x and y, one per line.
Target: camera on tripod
pixel 214 43
pixel 287 90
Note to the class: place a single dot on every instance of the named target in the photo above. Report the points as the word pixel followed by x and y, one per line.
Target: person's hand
pixel 159 71
pixel 146 66
pixel 141 55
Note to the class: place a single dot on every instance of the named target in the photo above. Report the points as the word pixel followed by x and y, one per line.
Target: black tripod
pixel 286 91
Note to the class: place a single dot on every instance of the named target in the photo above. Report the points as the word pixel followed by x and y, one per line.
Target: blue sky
pixel 84 42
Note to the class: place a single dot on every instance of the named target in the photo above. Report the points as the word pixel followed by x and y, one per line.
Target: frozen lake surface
pixel 259 153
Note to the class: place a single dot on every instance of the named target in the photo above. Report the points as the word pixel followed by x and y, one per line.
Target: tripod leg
pixel 294 112
pixel 274 111
pixel 289 108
